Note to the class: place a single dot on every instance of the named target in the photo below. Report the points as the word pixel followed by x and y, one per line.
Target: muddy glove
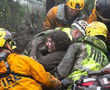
pixel 66 82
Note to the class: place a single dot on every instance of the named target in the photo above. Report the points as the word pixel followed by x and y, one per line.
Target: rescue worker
pixel 101 12
pixel 19 72
pixel 77 27
pixel 63 15
pixel 86 54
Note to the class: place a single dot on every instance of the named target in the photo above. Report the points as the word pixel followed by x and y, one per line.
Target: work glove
pixel 66 82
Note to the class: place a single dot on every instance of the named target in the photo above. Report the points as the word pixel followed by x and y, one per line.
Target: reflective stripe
pixel 61 12
pixel 3 83
pixel 7 66
pixel 9 81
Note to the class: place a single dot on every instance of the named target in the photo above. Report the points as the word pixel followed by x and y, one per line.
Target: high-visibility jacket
pixel 25 74
pixel 85 55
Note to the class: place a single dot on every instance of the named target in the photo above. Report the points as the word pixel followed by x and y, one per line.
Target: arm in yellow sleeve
pixel 39 74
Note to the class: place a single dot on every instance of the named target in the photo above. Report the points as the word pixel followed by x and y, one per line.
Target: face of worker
pixel 72 12
pixel 76 34
pixel 50 45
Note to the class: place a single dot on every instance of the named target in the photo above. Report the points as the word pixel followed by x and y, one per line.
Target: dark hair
pixel 60 39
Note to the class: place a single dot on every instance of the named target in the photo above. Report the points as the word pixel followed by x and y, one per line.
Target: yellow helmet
pixel 96 28
pixel 5 35
pixel 75 4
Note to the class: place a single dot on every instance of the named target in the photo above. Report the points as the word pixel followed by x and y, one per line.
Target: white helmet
pixel 80 25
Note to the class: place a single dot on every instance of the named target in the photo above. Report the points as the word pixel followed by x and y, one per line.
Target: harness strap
pixel 22 75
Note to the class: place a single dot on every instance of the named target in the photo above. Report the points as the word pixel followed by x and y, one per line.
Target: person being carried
pixel 50 51
pixel 20 72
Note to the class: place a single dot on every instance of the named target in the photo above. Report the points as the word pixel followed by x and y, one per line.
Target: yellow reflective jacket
pixel 28 74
